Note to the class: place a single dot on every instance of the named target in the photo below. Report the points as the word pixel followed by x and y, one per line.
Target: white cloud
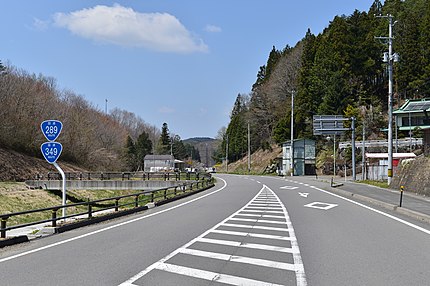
pixel 125 27
pixel 40 25
pixel 212 29
pixel 166 110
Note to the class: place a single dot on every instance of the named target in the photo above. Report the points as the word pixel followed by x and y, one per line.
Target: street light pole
pixel 249 149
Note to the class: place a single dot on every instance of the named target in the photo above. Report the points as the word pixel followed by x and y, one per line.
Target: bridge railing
pixel 87 210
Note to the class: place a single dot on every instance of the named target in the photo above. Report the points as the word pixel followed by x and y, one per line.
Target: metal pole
pixel 363 151
pixel 292 135
pixel 226 155
pixel 334 155
pixel 390 59
pixel 249 149
pixel 353 148
pixel 63 189
pixel 390 100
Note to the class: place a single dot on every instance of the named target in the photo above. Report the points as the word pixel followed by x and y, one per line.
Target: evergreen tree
pixel 143 147
pixel 192 152
pixel 178 148
pixel 130 154
pixel 164 142
pixel 2 68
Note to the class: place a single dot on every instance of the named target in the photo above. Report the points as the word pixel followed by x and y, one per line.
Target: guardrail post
pixel 176 187
pixel 136 201
pixel 116 204
pixel 54 217
pixel 152 197
pixel 3 227
pixel 90 209
pixel 165 194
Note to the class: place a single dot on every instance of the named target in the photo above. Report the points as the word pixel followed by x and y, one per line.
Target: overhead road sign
pixel 329 124
pixel 51 129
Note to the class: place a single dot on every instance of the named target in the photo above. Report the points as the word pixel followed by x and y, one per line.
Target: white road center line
pixel 241 259
pixel 239 233
pixel 247 245
pixel 212 276
pixel 297 266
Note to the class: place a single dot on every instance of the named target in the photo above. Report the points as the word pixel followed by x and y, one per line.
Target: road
pixel 248 230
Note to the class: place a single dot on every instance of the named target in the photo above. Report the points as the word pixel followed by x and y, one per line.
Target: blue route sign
pixel 51 151
pixel 51 129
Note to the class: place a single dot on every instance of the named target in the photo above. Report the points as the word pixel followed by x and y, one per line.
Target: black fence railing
pixel 86 210
pixel 178 176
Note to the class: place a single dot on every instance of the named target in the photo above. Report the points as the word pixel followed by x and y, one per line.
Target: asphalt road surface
pixel 247 230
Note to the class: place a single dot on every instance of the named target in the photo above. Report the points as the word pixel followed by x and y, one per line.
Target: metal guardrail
pixel 383 143
pixel 148 196
pixel 122 176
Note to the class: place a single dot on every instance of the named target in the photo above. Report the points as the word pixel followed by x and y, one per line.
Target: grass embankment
pixel 16 197
pixel 380 184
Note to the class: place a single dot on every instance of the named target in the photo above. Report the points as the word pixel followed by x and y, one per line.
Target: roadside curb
pixel 401 210
pixel 13 240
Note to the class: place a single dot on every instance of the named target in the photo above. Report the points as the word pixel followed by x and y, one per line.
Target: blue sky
pixel 180 62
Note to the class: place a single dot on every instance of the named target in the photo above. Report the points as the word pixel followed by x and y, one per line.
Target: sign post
pixel 52 150
pixel 333 125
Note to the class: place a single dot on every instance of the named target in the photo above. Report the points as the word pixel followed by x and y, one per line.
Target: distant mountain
pixel 206 147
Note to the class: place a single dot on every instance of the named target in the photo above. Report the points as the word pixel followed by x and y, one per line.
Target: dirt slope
pixel 259 161
pixel 15 166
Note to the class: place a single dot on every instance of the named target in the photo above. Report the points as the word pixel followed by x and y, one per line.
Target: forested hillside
pixel 91 138
pixel 337 72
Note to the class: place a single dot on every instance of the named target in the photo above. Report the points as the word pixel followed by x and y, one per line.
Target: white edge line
pixel 371 209
pixel 111 227
pixel 375 210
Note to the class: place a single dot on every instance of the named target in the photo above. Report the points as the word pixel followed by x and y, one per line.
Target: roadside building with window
pixel 415 113
pixel 159 163
pixel 303 157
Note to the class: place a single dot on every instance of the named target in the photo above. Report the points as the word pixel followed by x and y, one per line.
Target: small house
pixel 377 164
pixel 159 163
pixel 415 113
pixel 303 157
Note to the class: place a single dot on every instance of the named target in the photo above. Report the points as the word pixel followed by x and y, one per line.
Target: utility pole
pixel 390 58
pixel 363 150
pixel 292 134
pixel 249 149
pixel 226 154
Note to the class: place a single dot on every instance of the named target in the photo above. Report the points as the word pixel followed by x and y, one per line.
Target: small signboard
pixel 51 151
pixel 51 129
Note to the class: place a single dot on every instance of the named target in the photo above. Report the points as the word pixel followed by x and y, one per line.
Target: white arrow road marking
pixel 321 206
pixel 305 195
pixel 289 188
